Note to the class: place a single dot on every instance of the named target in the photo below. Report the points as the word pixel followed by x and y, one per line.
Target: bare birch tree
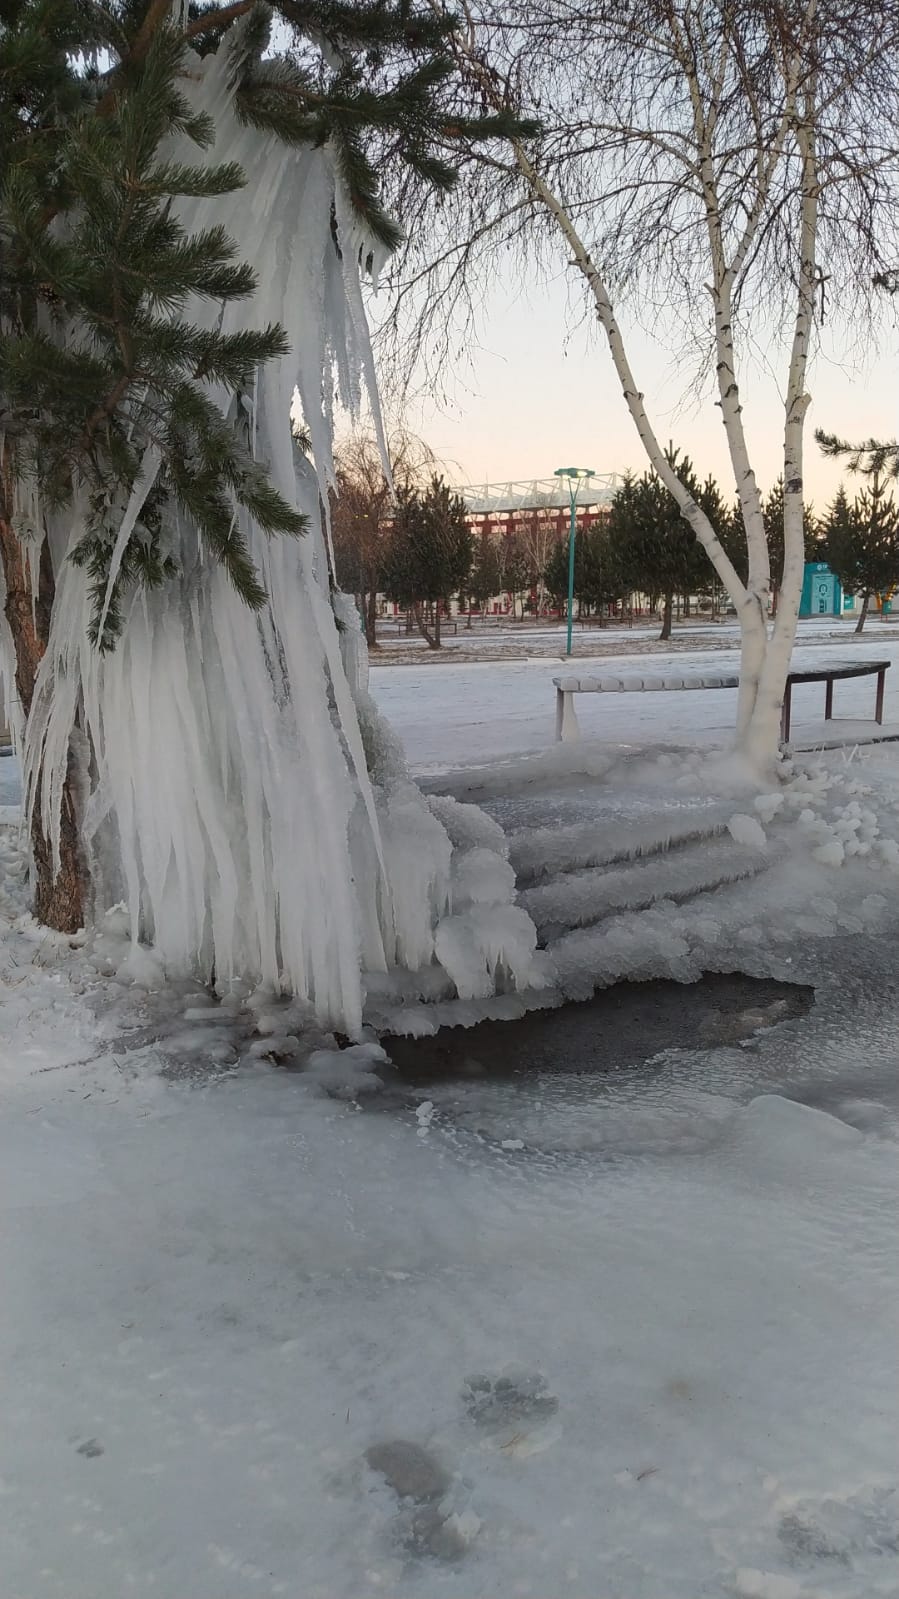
pixel 539 534
pixel 728 167
pixel 362 512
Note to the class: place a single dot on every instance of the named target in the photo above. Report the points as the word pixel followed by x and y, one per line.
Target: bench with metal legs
pixel 830 675
pixel 566 688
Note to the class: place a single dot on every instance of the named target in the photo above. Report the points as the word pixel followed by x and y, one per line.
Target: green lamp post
pixel 575 476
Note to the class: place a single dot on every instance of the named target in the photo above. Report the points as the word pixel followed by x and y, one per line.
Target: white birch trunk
pixel 753 613
pixel 763 730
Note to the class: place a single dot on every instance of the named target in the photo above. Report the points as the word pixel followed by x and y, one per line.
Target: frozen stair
pixel 679 872
pixel 547 852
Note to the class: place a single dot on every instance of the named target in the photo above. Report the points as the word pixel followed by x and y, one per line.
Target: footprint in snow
pixel 842 1530
pixel 428 1523
pixel 514 1410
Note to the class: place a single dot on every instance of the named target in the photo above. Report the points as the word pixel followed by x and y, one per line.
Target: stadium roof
pixel 537 494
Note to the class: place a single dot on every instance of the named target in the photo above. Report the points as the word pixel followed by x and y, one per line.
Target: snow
pixel 567 1332
pixel 628 1334
pixel 609 684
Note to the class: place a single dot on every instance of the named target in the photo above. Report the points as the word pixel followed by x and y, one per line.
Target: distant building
pixel 536 512
pixel 507 506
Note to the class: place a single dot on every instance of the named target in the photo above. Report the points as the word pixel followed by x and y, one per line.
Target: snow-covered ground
pixel 496 638
pixel 596 1326
pixel 448 715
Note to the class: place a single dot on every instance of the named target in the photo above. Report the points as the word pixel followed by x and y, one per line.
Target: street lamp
pixel 575 475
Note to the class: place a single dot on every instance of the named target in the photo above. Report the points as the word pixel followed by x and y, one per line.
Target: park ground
pixel 598 1302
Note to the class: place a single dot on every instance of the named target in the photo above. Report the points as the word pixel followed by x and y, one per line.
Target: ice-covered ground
pixel 622 1333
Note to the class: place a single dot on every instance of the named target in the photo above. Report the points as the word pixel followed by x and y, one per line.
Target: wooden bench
pixel 566 688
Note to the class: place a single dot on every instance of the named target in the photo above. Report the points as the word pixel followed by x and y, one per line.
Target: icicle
pixel 359 323
pixel 143 483
pixel 28 525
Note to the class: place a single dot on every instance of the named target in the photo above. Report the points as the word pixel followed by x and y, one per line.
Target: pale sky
pixel 540 392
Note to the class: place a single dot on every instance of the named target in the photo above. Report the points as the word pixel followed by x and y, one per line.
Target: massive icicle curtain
pixel 230 804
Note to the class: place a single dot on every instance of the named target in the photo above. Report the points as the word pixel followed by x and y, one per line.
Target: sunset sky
pixel 540 392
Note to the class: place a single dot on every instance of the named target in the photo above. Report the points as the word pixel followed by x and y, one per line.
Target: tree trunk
pixel 666 617
pixel 437 625
pixel 468 623
pixel 432 639
pixel 864 612
pixel 59 897
pixel 761 741
pixel 371 613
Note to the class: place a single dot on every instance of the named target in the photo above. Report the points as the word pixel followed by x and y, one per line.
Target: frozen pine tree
pixel 190 711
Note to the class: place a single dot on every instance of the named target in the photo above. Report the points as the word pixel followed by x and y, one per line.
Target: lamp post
pixel 575 476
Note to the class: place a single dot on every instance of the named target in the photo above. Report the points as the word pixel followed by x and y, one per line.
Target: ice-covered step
pixel 545 852
pixel 580 899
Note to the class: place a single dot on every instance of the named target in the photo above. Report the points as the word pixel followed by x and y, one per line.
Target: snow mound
pixel 347 1073
pixel 791 1133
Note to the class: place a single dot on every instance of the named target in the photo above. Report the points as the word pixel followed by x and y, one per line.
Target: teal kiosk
pixel 821 591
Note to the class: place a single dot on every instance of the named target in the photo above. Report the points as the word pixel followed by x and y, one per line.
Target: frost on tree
pixel 241 795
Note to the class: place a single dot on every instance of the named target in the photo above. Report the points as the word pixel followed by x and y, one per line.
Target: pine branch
pixel 873 458
pixel 211 20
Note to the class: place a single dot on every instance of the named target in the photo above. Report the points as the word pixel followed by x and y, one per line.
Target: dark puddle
pixel 618 1028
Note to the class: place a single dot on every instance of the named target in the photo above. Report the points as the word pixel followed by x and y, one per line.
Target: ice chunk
pixel 494 948
pixel 141 967
pixel 468 826
pixel 424 1116
pixel 746 830
pixel 481 877
pixel 768 805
